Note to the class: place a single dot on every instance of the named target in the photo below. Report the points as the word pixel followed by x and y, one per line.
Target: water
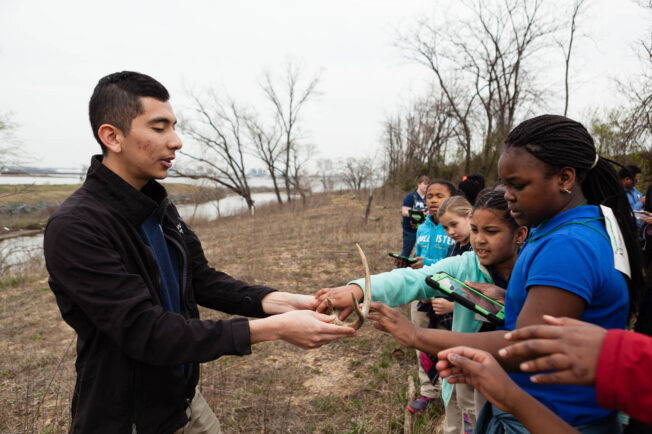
pixel 227 206
pixel 40 180
pixel 26 252
pixel 21 253
pixel 254 181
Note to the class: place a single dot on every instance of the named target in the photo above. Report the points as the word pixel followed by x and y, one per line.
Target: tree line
pixel 485 66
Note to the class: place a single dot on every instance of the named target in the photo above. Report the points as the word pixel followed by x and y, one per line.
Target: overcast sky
pixel 53 52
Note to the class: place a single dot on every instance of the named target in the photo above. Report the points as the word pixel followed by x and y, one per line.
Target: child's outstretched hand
pixel 392 321
pixel 479 369
pixel 340 298
pixel 568 347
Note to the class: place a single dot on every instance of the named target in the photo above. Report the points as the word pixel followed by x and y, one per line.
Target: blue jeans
pixel 493 421
pixel 409 239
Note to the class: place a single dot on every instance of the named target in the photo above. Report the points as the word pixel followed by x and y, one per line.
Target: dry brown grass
pixel 355 385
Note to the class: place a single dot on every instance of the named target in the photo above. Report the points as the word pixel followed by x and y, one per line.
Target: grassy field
pixel 357 385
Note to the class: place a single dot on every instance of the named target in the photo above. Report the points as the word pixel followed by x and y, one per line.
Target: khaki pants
pixel 420 319
pixel 202 419
pixel 462 401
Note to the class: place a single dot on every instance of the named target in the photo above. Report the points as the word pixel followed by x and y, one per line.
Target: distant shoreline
pixel 19 233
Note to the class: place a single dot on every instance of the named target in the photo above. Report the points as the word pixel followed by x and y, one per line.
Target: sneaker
pixel 468 427
pixel 419 405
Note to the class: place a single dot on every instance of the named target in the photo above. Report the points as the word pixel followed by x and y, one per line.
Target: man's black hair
pixel 629 171
pixel 116 100
pixel 562 142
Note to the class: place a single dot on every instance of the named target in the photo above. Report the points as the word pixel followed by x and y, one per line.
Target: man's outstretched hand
pixel 303 328
pixel 280 302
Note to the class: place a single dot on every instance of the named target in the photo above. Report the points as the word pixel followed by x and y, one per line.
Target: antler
pixel 366 302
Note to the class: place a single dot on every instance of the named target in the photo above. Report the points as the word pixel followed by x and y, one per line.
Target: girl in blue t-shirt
pixel 554 182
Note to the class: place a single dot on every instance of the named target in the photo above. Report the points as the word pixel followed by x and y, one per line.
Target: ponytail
pixel 561 142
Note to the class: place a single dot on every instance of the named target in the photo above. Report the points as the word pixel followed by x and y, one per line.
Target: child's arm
pixel 479 369
pixel 396 288
pixel 433 340
pixel 568 347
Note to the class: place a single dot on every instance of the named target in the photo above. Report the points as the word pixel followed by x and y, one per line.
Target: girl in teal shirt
pixel 495 238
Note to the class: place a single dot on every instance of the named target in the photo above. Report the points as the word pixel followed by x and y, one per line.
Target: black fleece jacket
pixel 106 283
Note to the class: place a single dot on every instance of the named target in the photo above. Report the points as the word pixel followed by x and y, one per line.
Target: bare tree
pixel 217 127
pixel 575 12
pixel 393 140
pixel 481 64
pixel 326 173
pixel 639 92
pixel 357 173
pixel 268 148
pixel 299 181
pixel 288 96
pixel 419 138
pixel 9 144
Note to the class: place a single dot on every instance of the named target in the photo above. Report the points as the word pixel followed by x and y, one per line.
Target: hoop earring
pixel 565 190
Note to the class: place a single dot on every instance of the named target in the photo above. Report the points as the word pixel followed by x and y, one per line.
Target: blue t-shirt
pixel 432 242
pixel 634 196
pixel 167 261
pixel 413 201
pixel 578 259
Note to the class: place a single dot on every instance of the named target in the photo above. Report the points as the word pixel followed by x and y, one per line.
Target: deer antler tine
pixel 330 311
pixel 367 283
pixel 362 315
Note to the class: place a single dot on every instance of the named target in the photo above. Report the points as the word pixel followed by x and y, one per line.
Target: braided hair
pixel 562 142
pixel 495 200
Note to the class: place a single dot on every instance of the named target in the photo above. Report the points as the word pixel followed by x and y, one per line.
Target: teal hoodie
pixel 403 285
pixel 432 242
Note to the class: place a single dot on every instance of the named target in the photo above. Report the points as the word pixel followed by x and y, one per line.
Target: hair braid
pixel 562 142
pixel 495 200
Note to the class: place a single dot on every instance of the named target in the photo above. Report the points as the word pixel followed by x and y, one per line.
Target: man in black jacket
pixel 128 274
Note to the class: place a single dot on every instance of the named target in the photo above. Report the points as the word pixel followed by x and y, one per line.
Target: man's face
pixel 149 148
pixel 628 183
pixel 421 188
